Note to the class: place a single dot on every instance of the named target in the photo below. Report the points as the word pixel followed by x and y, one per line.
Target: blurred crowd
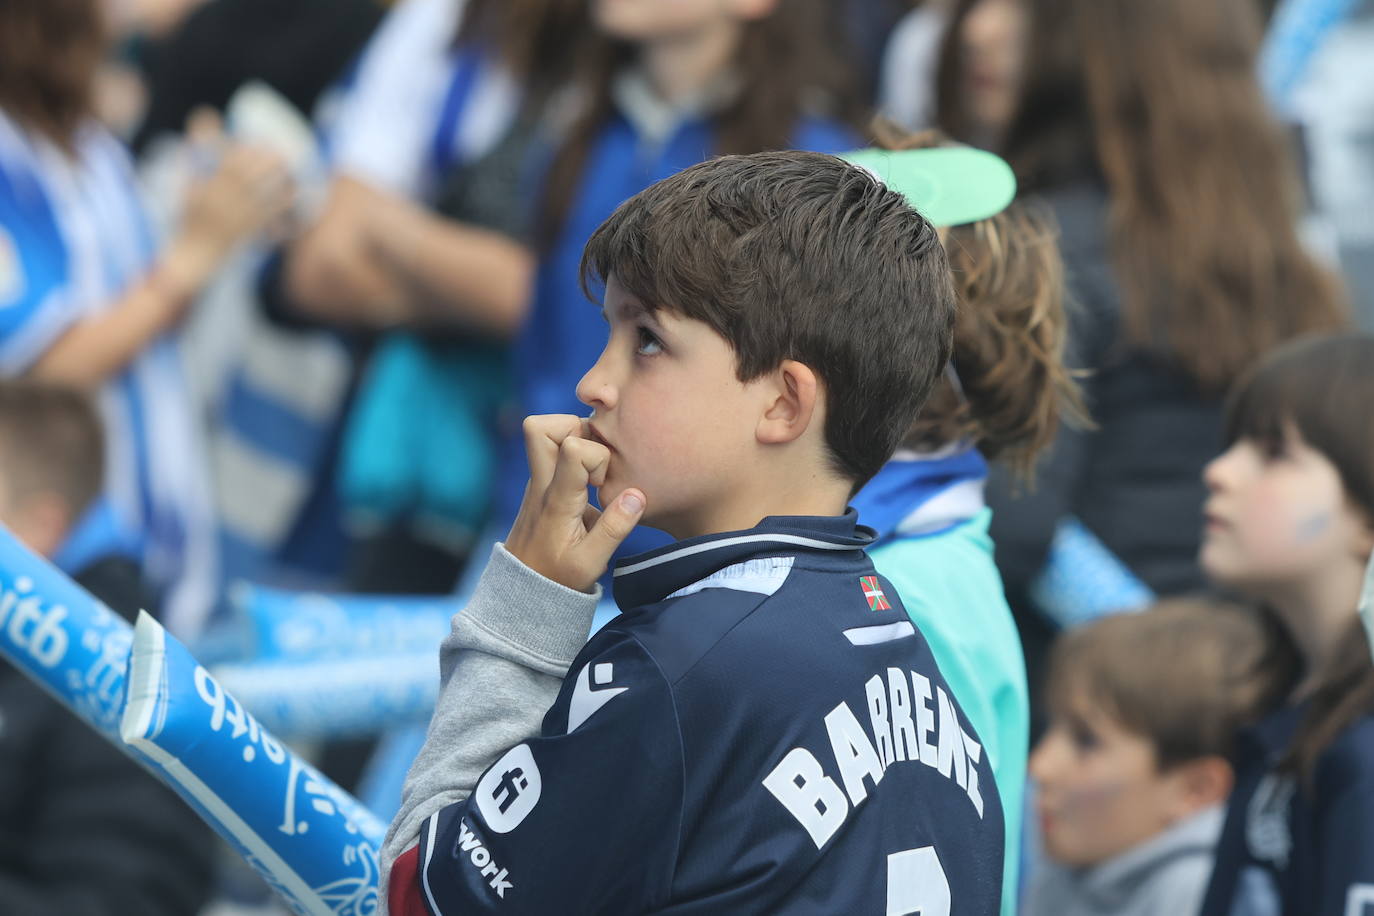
pixel 279 279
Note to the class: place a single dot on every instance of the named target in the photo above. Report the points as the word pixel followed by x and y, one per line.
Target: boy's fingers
pixel 581 462
pixel 616 522
pixel 544 434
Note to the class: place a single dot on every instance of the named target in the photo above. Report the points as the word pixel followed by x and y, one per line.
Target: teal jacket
pixel 934 548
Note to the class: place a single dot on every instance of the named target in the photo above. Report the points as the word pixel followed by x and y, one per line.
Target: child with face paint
pixel 1133 770
pixel 1290 522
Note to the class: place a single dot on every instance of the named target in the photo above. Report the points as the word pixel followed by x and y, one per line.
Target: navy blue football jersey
pixel 1292 846
pixel 762 730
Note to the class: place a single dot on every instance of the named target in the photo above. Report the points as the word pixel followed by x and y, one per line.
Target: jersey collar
pixel 652 576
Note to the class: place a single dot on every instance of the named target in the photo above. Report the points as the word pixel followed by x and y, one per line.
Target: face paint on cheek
pixel 1078 804
pixel 1314 527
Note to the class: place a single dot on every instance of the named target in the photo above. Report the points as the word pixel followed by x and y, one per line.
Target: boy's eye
pixel 1084 738
pixel 649 345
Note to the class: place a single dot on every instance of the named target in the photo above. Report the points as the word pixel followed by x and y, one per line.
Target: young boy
pixel 82 828
pixel 762 730
pixel 1146 710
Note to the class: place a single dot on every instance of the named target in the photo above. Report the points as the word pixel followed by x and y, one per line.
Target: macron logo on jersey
pixel 586 701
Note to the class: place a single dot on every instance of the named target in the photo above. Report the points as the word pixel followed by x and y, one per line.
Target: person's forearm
pixel 102 345
pixel 332 274
pixel 456 274
pixel 500 671
pixel 346 288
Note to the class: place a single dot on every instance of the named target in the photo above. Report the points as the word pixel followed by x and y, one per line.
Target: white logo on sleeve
pixel 509 790
pixel 586 701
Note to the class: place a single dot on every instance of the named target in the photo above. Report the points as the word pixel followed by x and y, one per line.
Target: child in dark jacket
pixel 83 830
pixel 1290 522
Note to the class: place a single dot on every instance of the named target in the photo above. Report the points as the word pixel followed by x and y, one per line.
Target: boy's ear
pixel 1200 784
pixel 794 398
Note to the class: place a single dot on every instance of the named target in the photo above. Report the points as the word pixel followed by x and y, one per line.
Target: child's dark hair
pixel 1187 674
pixel 792 62
pixel 1009 337
pixel 1318 388
pixel 51 440
pixel 535 40
pixel 799 256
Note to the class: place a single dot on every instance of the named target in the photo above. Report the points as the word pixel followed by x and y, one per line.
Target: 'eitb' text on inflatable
pixel 312 841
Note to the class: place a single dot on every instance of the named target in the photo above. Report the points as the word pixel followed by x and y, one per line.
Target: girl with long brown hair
pixel 1290 523
pixel 91 300
pixel 1143 127
pixel 663 86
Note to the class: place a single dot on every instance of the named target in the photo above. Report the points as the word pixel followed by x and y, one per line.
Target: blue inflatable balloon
pixel 315 625
pixel 310 840
pixel 1083 580
pixel 56 633
pixel 337 697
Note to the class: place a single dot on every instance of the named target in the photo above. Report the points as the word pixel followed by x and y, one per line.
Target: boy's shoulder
pixel 780 688
pixel 681 629
pixel 796 607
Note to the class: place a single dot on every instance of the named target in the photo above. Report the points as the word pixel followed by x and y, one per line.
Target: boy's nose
pixel 595 389
pixel 1042 765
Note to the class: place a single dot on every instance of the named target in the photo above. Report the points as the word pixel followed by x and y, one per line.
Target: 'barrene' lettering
pixel 818 802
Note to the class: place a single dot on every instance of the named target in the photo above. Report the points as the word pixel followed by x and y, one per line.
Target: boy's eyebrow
pixel 629 310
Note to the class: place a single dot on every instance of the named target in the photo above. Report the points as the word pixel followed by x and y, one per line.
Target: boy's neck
pixel 683 67
pixel 1318 613
pixel 814 497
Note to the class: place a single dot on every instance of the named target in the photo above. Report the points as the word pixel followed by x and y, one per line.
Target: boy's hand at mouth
pixel 558 533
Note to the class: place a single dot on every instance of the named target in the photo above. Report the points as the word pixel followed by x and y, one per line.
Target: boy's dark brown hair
pixel 51 441
pixel 1187 674
pixel 800 256
pixel 1010 387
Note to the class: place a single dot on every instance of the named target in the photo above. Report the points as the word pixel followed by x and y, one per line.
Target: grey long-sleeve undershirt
pixel 500 670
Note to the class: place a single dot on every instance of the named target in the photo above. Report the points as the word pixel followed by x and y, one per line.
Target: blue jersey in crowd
pixel 763 731
pixel 1294 848
pixel 74 239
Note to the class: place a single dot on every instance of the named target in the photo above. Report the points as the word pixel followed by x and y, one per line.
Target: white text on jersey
pixel 816 800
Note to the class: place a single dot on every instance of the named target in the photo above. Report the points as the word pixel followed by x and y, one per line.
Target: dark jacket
pixel 83 830
pixel 1136 480
pixel 1294 846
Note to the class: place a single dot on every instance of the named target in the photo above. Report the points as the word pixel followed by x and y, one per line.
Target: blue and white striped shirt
pixel 73 239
